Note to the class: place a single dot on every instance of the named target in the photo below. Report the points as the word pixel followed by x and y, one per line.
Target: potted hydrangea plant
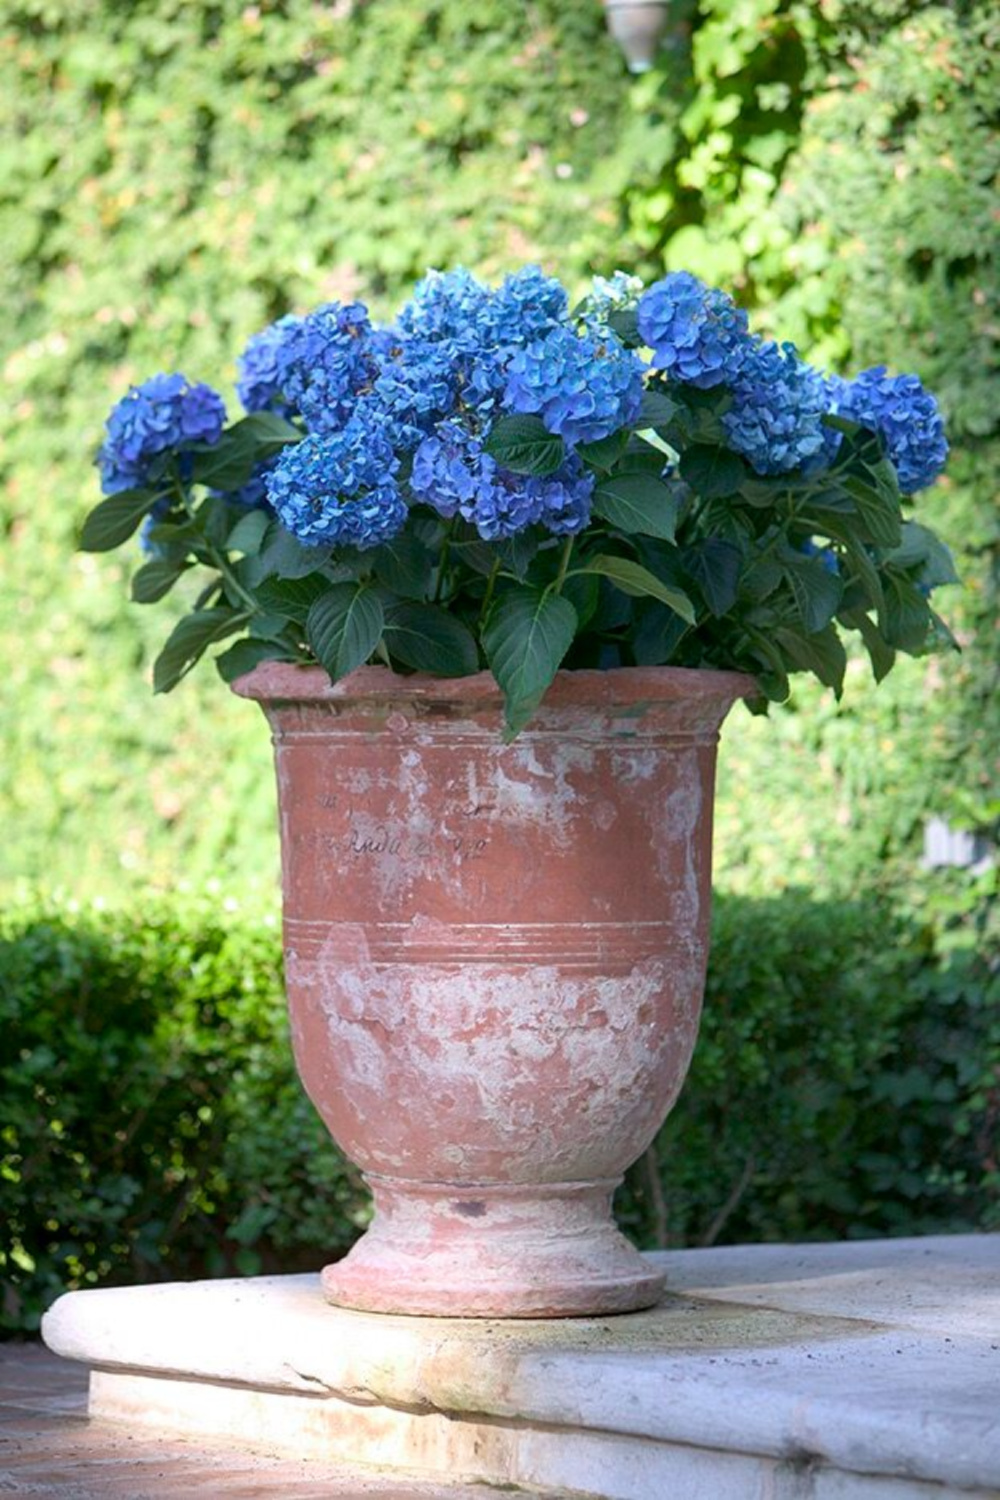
pixel 496 573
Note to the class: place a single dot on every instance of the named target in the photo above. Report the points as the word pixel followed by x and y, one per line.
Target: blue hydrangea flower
pixel 905 415
pixel 259 378
pixel 455 307
pixel 323 362
pixel 565 498
pixel 526 306
pixel 697 334
pixel 166 414
pixel 826 555
pixel 775 420
pixel 833 388
pixel 417 385
pixel 383 343
pixel 453 474
pixel 447 305
pixel 478 328
pixel 339 489
pixel 582 388
pixel 482 382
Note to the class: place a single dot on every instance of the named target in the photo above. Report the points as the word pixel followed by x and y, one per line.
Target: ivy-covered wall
pixel 174 174
pixel 839 163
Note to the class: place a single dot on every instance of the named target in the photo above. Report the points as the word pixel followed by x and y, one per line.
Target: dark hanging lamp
pixel 638 27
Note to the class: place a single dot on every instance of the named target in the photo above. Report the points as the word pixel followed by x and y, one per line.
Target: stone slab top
pixel 872 1356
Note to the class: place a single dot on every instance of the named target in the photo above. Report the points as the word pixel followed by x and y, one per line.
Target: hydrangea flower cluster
pixel 697 334
pixel 776 417
pixel 478 330
pixel 905 416
pixel 339 488
pixel 166 414
pixel 527 305
pixel 459 355
pixel 416 386
pixel 404 415
pixel 258 383
pixel 453 475
pixel 447 306
pixel 699 337
pixel 584 389
pixel 454 309
pixel 324 363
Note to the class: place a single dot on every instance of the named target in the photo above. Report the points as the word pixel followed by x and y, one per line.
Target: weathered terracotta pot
pixel 495 959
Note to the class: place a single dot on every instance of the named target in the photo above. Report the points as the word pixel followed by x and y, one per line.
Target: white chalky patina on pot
pixel 495 958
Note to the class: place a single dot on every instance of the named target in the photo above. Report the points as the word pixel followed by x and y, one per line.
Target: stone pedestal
pixel 840 1372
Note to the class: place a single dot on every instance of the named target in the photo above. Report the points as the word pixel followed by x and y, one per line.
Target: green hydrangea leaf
pixel 292 597
pixel 243 656
pixel 714 565
pixel 604 453
pixel 155 579
pixel 638 503
pixel 524 445
pixel 816 591
pixel 713 472
pixel 428 639
pixel 344 626
pixel 527 634
pixel 821 653
pixel 632 578
pixel 189 640
pixel 114 520
pixel 247 536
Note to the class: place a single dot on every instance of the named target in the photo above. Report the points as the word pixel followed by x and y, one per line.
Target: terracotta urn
pixel 495 957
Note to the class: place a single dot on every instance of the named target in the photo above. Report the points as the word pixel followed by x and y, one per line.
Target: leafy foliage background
pixel 172 176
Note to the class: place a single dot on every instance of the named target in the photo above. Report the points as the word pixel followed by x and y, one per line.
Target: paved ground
pixel 49 1448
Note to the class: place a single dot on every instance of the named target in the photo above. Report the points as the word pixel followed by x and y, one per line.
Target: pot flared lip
pixel 617 687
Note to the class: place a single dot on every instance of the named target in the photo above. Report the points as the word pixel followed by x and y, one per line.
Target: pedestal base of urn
pixel 493 1250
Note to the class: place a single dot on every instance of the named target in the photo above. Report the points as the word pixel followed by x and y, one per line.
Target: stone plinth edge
pixel 870 1359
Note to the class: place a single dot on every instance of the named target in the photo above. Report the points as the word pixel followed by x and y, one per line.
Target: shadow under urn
pixel 495 959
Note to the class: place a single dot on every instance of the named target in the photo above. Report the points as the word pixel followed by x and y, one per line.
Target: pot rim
pixel 292 682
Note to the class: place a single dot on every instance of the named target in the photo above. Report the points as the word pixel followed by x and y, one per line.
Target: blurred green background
pixel 176 173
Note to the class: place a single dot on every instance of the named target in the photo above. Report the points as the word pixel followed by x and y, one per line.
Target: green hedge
pixel 152 1124
pixel 847 1081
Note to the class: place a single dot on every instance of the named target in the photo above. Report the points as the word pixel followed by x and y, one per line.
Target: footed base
pixel 493 1250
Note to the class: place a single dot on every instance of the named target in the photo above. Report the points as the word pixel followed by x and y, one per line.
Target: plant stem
pixel 490 585
pixel 443 568
pixel 780 535
pixel 218 557
pixel 691 520
pixel 567 552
